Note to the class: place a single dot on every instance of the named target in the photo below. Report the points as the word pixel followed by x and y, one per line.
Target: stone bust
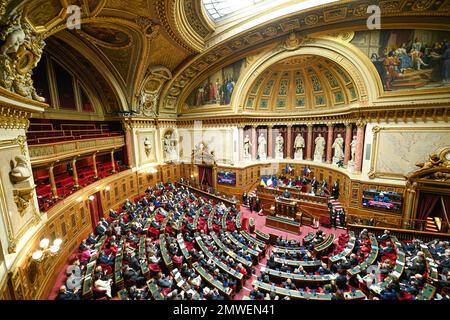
pixel 20 172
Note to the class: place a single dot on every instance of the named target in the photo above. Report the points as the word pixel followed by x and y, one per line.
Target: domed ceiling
pixel 301 83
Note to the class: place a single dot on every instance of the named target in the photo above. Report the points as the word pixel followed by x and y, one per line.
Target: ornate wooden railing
pixel 50 152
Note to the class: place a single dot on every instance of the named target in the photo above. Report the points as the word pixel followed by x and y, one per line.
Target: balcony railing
pixel 55 151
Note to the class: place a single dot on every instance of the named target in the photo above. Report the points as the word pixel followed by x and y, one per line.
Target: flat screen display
pixel 224 177
pixel 379 199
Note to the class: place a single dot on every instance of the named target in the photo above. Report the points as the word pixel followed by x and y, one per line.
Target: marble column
pixel 348 140
pixel 289 142
pixel 241 142
pixel 270 142
pixel 410 191
pixel 129 149
pixel 113 162
pixel 94 161
pixel 254 143
pixel 309 138
pixel 329 143
pixel 75 173
pixel 359 145
pixel 52 181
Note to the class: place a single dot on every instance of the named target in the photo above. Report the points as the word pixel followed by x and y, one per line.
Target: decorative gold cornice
pixel 14 119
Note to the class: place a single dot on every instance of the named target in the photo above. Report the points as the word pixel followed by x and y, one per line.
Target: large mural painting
pixel 408 59
pixel 217 88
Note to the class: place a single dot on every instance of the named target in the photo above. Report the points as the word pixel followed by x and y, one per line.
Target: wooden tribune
pixel 283 224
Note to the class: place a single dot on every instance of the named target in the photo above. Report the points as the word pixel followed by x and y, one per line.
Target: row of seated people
pixel 128 225
pixel 391 281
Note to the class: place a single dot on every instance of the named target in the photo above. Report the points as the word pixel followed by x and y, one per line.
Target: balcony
pixel 57 151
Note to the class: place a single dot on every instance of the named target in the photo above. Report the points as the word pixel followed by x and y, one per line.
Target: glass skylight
pixel 220 8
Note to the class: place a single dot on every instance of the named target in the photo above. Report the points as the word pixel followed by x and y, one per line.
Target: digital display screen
pixel 380 199
pixel 224 177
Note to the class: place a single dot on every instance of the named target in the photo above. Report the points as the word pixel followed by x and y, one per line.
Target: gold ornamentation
pixel 22 198
pixel 294 41
pixel 20 52
pixel 14 119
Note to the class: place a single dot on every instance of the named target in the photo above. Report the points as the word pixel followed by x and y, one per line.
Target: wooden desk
pixel 237 275
pixel 262 236
pixel 370 258
pixel 303 295
pixel 303 278
pixel 297 263
pixel 285 207
pixel 347 250
pixel 210 279
pixel 229 252
pixel 183 248
pixel 325 245
pixel 164 253
pixel 283 224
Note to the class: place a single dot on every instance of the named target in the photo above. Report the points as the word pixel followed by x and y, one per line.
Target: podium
pixel 285 207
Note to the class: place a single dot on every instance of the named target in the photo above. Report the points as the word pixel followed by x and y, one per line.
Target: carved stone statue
pixel 319 148
pixel 20 171
pixel 353 149
pixel 148 147
pixel 279 143
pixel 170 147
pixel 262 147
pixel 14 37
pixel 247 145
pixel 299 144
pixel 338 147
pixel 20 51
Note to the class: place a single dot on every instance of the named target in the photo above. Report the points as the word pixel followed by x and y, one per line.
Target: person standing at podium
pixel 335 190
pixel 286 194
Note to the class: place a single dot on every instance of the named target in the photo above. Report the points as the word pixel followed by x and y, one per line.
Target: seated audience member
pixel 73 282
pixel 65 294
pixel 104 285
pixel 133 276
pixel 75 268
pixel 255 294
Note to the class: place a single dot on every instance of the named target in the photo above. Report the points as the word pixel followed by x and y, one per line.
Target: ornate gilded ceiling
pixel 124 39
pixel 301 83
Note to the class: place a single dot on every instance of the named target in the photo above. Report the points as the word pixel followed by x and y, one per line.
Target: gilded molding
pixel 14 119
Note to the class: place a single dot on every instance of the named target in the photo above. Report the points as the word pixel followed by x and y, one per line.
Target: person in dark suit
pixel 286 194
pixel 250 204
pixel 133 276
pixel 341 215
pixel 335 190
pixel 65 294
pixel 314 183
pixel 333 217
pixel 257 204
pixel 256 294
pixel 244 198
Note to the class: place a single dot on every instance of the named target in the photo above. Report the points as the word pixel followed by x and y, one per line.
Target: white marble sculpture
pixel 279 144
pixel 338 147
pixel 147 147
pixel 247 146
pixel 319 149
pixel 262 147
pixel 353 149
pixel 20 171
pixel 299 144
pixel 170 148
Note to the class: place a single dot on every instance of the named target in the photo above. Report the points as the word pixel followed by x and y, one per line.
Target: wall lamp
pixel 46 250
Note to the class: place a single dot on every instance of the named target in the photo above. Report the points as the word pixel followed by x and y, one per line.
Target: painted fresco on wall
pixel 408 59
pixel 217 88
